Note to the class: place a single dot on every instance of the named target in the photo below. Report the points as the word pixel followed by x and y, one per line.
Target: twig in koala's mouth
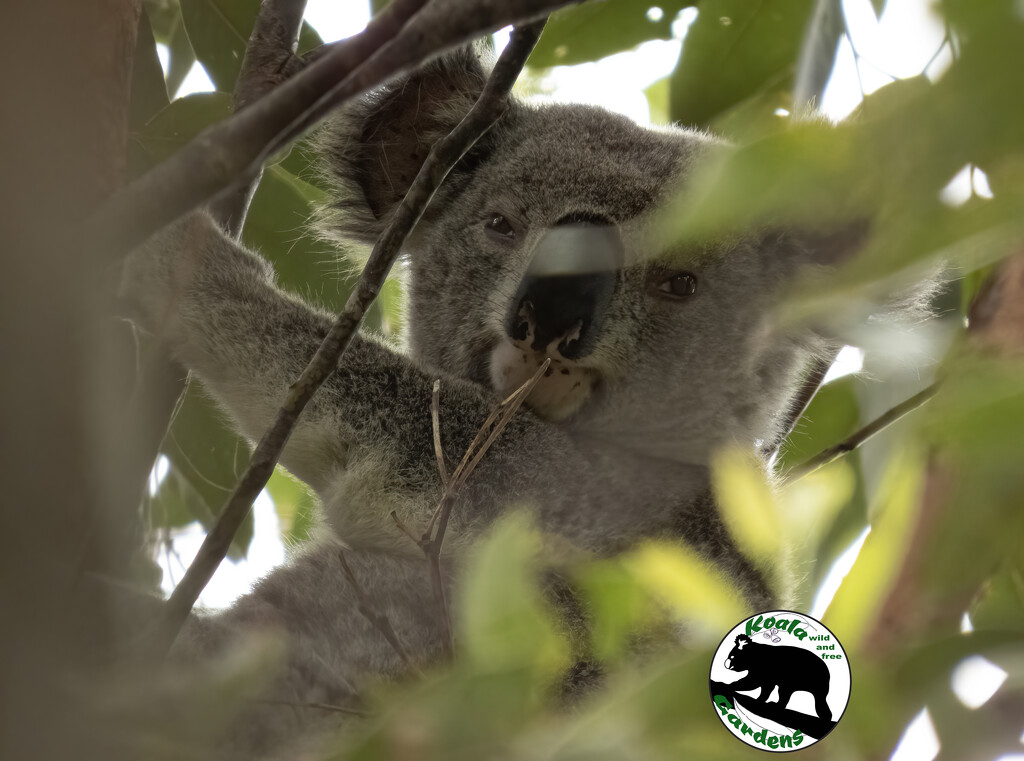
pixel 491 104
pixel 489 432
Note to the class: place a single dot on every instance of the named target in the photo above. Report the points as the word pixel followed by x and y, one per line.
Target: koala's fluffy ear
pixel 371 150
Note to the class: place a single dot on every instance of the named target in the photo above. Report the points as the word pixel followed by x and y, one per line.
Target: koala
pixel 541 244
pixel 791 669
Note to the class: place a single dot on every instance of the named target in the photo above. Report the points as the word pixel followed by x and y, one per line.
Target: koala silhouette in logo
pixel 791 669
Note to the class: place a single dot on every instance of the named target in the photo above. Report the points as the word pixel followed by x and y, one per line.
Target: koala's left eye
pixel 678 286
pixel 498 226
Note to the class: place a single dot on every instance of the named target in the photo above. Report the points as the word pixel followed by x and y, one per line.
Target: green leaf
pixel 618 605
pixel 735 49
pixel 277 226
pixel 164 16
pixel 309 39
pixel 169 29
pixel 182 57
pixel 219 31
pixel 149 92
pixel 591 31
pixel 853 612
pixel 832 415
pixel 174 126
pixel 746 503
pixel 209 457
pixel 504 624
pixel 695 591
pixel 657 101
pixel 295 505
pixel 879 6
pixel 818 52
pixel 1000 606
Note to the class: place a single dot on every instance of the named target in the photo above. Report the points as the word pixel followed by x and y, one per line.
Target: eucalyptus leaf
pixel 734 50
pixel 219 32
pixel 594 30
pixel 182 57
pixel 149 92
pixel 176 125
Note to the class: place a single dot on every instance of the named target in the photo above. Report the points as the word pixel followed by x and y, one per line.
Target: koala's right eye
pixel 499 227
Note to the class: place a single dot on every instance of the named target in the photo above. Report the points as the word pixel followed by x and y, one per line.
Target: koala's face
pixel 544 243
pixel 548 248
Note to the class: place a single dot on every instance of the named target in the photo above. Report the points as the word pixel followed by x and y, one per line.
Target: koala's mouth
pixel 565 387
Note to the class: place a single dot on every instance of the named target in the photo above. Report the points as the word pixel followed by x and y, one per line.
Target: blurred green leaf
pixel 295 504
pixel 503 621
pixel 618 605
pixel 594 30
pixel 695 591
pixel 734 50
pixel 746 503
pixel 1000 605
pixel 975 422
pixel 854 609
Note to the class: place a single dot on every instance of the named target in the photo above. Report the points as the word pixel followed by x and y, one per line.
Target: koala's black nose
pixel 568 286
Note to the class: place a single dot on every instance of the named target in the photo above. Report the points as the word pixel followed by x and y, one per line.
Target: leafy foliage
pixel 942 495
pixel 594 30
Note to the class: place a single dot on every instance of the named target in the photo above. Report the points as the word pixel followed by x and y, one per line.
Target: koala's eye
pixel 678 286
pixel 498 226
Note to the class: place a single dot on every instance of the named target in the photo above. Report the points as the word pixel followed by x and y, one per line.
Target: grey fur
pixel 675 380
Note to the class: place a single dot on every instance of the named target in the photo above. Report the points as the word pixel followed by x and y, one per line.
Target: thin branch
pixel 270 49
pixel 406 34
pixel 375 616
pixel 491 104
pixel 877 425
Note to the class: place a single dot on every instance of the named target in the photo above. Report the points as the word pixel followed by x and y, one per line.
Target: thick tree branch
pixel 877 425
pixel 270 50
pixel 405 35
pixel 443 156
